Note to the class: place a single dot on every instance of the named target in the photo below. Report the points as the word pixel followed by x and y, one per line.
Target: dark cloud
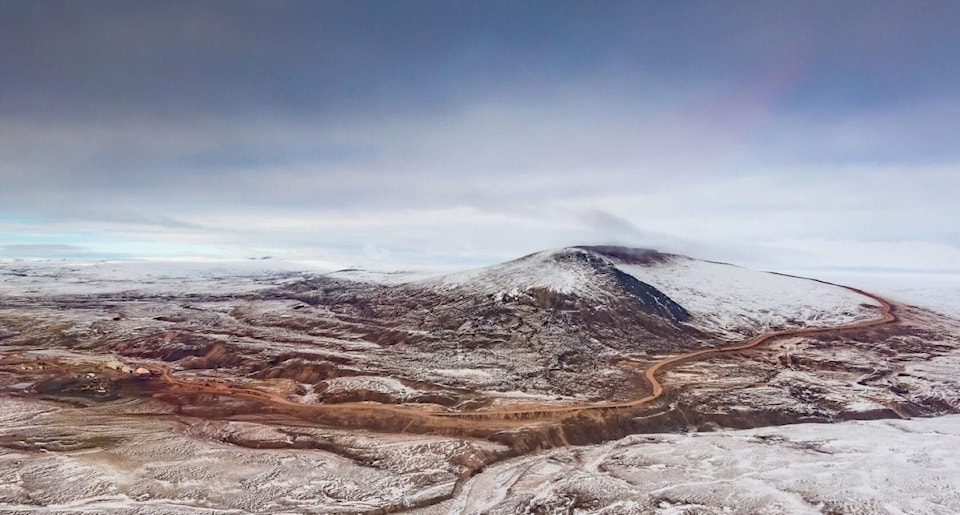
pixel 337 58
pixel 267 125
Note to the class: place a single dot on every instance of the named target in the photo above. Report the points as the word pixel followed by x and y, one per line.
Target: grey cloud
pixel 26 250
pixel 486 129
pixel 608 228
pixel 502 152
pixel 135 219
pixel 920 133
pixel 612 224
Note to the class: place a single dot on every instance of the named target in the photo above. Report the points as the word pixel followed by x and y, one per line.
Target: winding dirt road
pixel 426 421
pixel 520 429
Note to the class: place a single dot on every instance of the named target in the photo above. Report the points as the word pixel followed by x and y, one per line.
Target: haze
pixel 794 135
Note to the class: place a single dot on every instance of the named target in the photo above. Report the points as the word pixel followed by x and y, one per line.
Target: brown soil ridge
pixel 490 424
pixel 521 429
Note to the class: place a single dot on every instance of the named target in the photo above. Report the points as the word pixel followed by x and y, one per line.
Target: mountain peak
pixel 629 255
pixel 569 276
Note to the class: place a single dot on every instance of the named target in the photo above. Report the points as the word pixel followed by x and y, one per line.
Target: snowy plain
pixel 939 292
pixel 865 467
pixel 39 277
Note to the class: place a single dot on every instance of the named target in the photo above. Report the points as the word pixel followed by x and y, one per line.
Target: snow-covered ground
pixel 62 459
pixel 881 467
pixel 727 299
pixel 385 385
pixel 382 277
pixel 557 270
pixel 60 277
pixel 123 464
pixel 936 292
pixel 724 299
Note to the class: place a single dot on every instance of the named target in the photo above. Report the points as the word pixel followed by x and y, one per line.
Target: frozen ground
pixel 19 277
pixel 938 292
pixel 137 455
pixel 62 459
pixel 875 467
pixel 731 300
pixel 386 278
pixel 724 299
pixel 557 270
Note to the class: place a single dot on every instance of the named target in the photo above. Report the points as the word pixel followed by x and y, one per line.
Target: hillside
pixel 412 382
pixel 733 301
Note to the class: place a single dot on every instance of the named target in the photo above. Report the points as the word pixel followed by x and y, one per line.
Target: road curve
pixel 517 416
pixel 656 387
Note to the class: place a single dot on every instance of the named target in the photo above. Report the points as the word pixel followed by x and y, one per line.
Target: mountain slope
pixel 575 323
pixel 733 302
pixel 334 373
pixel 574 275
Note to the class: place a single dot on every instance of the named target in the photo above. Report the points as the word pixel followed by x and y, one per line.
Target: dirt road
pixel 476 423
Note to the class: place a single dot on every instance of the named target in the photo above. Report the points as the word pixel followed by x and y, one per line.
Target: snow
pixel 384 278
pixel 555 270
pixel 721 297
pixel 378 384
pixel 939 292
pixel 726 300
pixel 475 374
pixel 730 300
pixel 940 369
pixel 904 466
pixel 894 466
pixel 58 277
pixel 138 464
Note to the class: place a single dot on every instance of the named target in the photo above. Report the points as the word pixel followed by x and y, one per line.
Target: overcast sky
pixel 773 134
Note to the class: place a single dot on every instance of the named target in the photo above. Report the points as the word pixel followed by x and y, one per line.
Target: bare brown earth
pixel 524 428
pixel 521 426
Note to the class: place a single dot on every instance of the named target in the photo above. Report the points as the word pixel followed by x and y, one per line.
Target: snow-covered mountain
pixel 718 298
pixel 321 379
pixel 570 273
pixel 553 323
pixel 730 300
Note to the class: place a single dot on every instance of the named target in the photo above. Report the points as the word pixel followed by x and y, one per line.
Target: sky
pixel 790 135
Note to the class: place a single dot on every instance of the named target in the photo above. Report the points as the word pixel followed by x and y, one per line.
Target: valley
pixel 577 346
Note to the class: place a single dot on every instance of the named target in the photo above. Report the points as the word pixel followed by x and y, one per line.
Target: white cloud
pixel 902 255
